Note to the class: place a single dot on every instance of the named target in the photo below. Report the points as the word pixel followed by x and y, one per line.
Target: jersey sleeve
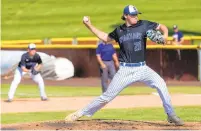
pixel 113 35
pixel 152 25
pixel 39 60
pixel 98 50
pixel 22 61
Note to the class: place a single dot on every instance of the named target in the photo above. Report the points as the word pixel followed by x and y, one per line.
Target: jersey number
pixel 137 46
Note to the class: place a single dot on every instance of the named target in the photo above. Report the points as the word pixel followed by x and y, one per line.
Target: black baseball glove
pixel 34 72
pixel 155 36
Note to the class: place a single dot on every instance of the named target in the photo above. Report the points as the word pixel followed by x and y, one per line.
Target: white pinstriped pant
pixel 123 78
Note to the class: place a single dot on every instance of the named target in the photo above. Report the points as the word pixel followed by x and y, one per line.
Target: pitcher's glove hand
pixel 155 36
pixel 34 72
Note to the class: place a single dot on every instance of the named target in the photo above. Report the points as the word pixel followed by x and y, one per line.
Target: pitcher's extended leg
pixel 122 79
pixel 118 83
pixel 152 79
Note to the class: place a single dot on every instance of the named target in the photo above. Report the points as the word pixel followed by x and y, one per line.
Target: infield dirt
pixel 102 125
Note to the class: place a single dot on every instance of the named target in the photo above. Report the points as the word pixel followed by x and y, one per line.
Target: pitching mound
pixel 101 125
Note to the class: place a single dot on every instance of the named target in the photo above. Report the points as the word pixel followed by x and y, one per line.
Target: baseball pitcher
pixel 30 63
pixel 131 37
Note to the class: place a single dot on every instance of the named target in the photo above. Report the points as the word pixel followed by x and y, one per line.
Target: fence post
pixel 74 42
pixel 47 41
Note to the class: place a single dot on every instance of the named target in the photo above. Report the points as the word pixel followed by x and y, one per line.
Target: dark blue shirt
pixel 177 36
pixel 132 40
pixel 105 51
pixel 28 61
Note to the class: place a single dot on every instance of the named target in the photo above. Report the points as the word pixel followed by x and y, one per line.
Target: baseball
pixel 85 19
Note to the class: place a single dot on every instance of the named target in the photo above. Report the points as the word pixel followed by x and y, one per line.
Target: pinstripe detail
pixel 152 79
pixel 124 77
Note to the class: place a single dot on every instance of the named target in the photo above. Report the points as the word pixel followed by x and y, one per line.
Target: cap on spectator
pixel 175 26
pixel 130 10
pixel 32 46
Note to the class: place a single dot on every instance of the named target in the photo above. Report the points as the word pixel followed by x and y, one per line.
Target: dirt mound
pixel 102 125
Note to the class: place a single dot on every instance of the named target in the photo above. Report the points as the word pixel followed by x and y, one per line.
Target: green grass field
pixel 186 113
pixel 31 91
pixel 38 19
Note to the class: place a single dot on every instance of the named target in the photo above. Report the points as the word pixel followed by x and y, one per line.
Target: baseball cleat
pixel 72 117
pixel 44 99
pixel 9 100
pixel 172 118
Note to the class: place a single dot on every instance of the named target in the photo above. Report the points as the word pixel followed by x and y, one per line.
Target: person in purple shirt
pixel 177 39
pixel 107 59
pixel 178 35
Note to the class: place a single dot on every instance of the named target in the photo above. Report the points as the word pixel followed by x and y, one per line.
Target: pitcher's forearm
pixel 163 29
pixel 100 34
